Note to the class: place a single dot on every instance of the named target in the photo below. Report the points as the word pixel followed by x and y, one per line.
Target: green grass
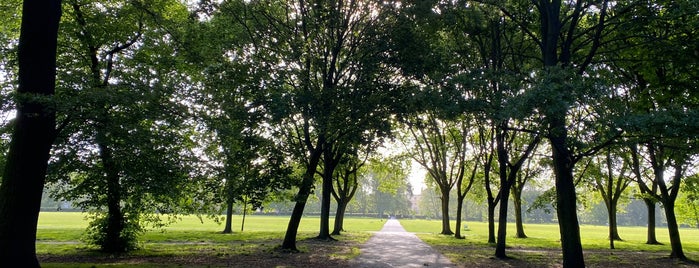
pixel 60 234
pixel 545 237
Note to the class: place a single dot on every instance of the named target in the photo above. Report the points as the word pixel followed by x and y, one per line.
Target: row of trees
pixel 167 106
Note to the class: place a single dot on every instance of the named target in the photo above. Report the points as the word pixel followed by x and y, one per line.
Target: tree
pixel 661 96
pixel 568 34
pixel 440 147
pixel 235 111
pixel 324 58
pixel 611 178
pixel 526 175
pixel 508 171
pixel 33 133
pixel 124 151
pixel 345 187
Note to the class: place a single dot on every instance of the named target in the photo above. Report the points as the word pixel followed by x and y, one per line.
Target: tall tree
pixel 324 55
pixel 508 172
pixel 660 73
pixel 345 187
pixel 124 148
pixel 33 133
pixel 439 146
pixel 611 178
pixel 568 35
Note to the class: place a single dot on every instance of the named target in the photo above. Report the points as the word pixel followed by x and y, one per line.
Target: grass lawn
pixel 193 243
pixel 542 247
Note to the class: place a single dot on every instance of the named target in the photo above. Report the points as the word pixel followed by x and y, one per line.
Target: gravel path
pixel 394 247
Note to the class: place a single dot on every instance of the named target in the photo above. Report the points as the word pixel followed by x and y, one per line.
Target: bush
pixel 120 236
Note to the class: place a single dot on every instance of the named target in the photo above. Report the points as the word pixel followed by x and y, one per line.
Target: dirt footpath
pixel 394 247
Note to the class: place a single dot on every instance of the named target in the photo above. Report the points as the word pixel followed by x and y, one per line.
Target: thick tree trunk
pixel 674 231
pixel 566 206
pixel 650 237
pixel 459 207
pixel 32 136
pixel 327 186
pixel 289 242
pixel 114 241
pixel 229 218
pixel 613 230
pixel 502 221
pixel 491 221
pixel 339 217
pixel 446 226
pixel 517 200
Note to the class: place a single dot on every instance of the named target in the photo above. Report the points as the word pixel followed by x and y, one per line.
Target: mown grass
pixel 60 234
pixel 546 237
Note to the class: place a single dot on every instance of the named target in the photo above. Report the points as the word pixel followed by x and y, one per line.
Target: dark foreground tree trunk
pixel 33 134
pixel 446 226
pixel 114 240
pixel 502 221
pixel 292 228
pixel 339 217
pixel 674 231
pixel 229 218
pixel 651 239
pixel 327 185
pixel 491 221
pixel 566 206
pixel 613 230
pixel 459 208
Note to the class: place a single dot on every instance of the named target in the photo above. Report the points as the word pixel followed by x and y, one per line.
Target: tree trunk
pixel 245 213
pixel 491 221
pixel 517 200
pixel 114 241
pixel 32 136
pixel 229 218
pixel 502 220
pixel 339 217
pixel 289 242
pixel 650 237
pixel 674 231
pixel 459 207
pixel 613 230
pixel 325 208
pixel 566 207
pixel 446 227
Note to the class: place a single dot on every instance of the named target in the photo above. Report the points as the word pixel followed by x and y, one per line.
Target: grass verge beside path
pixel 191 243
pixel 542 248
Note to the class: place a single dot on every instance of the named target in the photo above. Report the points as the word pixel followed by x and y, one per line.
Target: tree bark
pixel 651 239
pixel 114 240
pixel 446 226
pixel 32 136
pixel 491 221
pixel 289 242
pixel 673 231
pixel 229 218
pixel 459 208
pixel 613 230
pixel 502 221
pixel 327 185
pixel 517 200
pixel 566 207
pixel 339 217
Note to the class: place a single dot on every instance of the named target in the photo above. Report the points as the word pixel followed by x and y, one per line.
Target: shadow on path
pixel 395 247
